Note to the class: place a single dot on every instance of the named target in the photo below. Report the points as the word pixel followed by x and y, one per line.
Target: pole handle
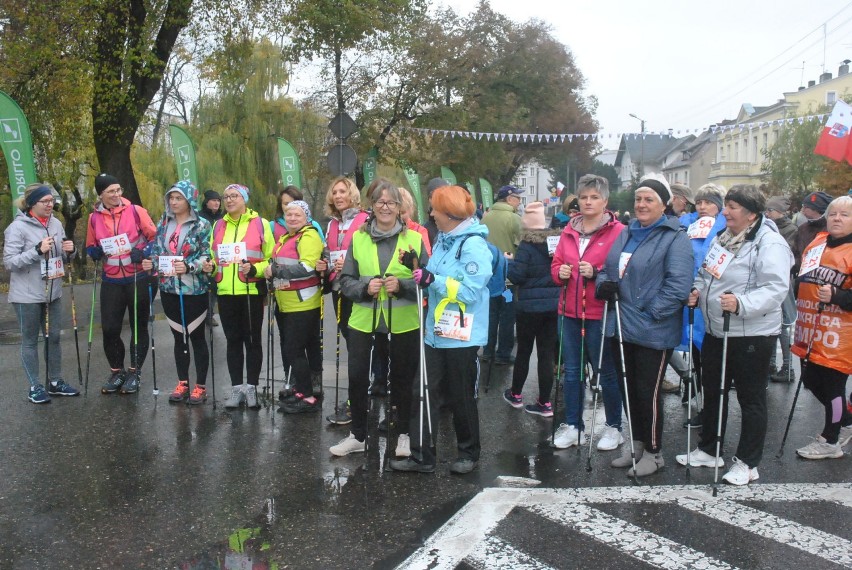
pixel 691 315
pixel 726 316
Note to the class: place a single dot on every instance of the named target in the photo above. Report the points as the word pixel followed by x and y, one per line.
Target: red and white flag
pixel 834 142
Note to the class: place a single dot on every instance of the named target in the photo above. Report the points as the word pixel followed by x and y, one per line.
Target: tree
pixel 791 165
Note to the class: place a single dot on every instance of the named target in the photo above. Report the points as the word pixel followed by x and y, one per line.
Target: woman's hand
pixel 586 269
pixel 824 293
pixel 207 266
pixel 729 302
pixel 180 267
pixel 565 271
pixel 67 246
pixel 147 265
pixel 245 267
pixel 268 271
pixel 374 286
pixel 391 284
pixel 693 298
pixel 322 265
pixel 338 265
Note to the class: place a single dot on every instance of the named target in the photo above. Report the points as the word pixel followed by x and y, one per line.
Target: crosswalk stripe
pixel 811 540
pixel 628 538
pixel 495 554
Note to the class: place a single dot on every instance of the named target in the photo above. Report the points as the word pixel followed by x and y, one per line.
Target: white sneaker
pixel 610 439
pixel 403 446
pixel 237 396
pixel 740 474
pixel 250 390
pixel 347 445
pixel 821 449
pixel 566 436
pixel 845 436
pixel 699 458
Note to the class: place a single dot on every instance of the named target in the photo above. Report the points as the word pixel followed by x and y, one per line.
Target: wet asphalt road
pixel 136 482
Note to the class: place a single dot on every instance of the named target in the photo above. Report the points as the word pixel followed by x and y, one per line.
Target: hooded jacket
pixel 568 252
pixel 654 287
pixel 24 262
pixel 504 227
pixel 193 244
pixel 530 271
pixel 461 276
pixel 126 218
pixel 759 276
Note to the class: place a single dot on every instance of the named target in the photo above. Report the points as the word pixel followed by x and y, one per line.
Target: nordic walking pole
pixel 372 349
pixel 805 362
pixel 74 324
pixel 388 401
pixel 212 352
pixel 136 323
pixel 726 326
pixel 48 293
pixel 269 316
pixel 91 324
pixel 581 387
pixel 156 391
pixel 424 378
pixel 624 379
pixel 564 297
pixel 248 306
pixel 689 390
pixel 596 387
pixel 337 363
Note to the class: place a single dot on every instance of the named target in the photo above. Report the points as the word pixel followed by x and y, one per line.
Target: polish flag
pixel 834 142
pixel 559 188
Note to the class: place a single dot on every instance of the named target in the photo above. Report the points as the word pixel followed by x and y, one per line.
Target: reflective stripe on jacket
pixel 254 231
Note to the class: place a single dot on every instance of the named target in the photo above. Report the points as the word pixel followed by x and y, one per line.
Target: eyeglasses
pixel 47 202
pixel 386 205
pixel 231 196
pixel 113 192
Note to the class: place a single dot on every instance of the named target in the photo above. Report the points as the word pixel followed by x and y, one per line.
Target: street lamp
pixel 642 146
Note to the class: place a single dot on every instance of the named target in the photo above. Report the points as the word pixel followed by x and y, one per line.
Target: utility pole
pixel 641 146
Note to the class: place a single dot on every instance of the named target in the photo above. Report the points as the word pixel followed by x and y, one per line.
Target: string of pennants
pixel 562 137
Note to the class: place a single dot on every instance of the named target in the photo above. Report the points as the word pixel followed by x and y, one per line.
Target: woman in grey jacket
pixel 35 252
pixel 650 268
pixel 746 273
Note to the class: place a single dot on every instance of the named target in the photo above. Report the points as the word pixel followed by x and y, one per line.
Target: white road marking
pixel 495 554
pixel 467 535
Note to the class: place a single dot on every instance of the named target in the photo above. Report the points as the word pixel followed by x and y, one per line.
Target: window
pixel 686 181
pixel 765 141
pixel 736 155
pixel 522 182
pixel 830 97
pixel 532 190
pixel 730 156
pixel 745 149
pixel 754 151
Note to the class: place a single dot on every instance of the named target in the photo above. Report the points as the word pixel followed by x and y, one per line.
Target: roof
pixel 652 146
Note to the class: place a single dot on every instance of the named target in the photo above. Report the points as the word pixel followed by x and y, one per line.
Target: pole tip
pixel 156 392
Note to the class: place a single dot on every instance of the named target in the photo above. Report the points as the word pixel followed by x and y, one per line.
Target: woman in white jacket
pixel 746 273
pixel 35 252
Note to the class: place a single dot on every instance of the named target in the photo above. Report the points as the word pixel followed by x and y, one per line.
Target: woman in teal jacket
pixel 456 326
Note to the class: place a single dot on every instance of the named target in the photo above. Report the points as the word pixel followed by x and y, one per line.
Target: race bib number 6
pixel 116 245
pixel 229 253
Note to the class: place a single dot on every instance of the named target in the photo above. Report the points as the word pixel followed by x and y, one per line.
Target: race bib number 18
pixel 54 268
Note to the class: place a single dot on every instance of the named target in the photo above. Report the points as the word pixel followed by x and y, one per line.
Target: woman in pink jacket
pixel 580 254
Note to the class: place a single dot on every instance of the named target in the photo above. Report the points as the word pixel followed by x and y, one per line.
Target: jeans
pixel 574 391
pixel 501 328
pixel 31 321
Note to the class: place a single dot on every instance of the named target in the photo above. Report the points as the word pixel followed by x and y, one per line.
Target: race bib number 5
pixel 717 260
pixel 229 253
pixel 116 245
pixel 450 326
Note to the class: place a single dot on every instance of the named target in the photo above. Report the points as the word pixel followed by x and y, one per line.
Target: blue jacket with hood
pixel 467 266
pixel 655 285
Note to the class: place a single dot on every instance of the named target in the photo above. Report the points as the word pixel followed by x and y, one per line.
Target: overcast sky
pixel 688 64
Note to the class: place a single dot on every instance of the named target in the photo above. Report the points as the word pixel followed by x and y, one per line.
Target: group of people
pixel 588 292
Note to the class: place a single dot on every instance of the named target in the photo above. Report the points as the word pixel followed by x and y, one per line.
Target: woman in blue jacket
pixel 456 326
pixel 649 268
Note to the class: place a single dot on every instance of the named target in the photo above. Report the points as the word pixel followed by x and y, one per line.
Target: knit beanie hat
pixel 658 184
pixel 818 201
pixel 104 181
pixel 211 195
pixel 533 218
pixel 243 190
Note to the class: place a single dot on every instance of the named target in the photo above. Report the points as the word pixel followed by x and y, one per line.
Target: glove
pixel 136 255
pixel 607 291
pixel 423 277
pixel 96 252
pixel 407 259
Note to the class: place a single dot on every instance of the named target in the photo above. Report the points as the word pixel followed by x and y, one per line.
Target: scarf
pixel 732 242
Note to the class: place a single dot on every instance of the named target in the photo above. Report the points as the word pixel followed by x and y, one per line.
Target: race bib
pixel 552 242
pixel 717 260
pixel 700 228
pixel 811 259
pixel 53 268
pixel 229 253
pixel 166 265
pixel 117 245
pixel 335 255
pixel 622 263
pixel 450 325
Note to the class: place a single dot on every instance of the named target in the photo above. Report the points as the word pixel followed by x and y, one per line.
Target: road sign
pixel 342 159
pixel 342 126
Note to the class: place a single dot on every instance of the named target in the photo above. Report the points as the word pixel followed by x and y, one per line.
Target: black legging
pixel 314 350
pixel 195 315
pixel 829 387
pixel 540 329
pixel 116 300
pixel 301 328
pixel 236 312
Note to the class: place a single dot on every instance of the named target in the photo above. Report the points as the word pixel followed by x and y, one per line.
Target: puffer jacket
pixel 467 271
pixel 530 271
pixel 24 262
pixel 759 276
pixel 568 252
pixel 655 285
pixel 193 245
